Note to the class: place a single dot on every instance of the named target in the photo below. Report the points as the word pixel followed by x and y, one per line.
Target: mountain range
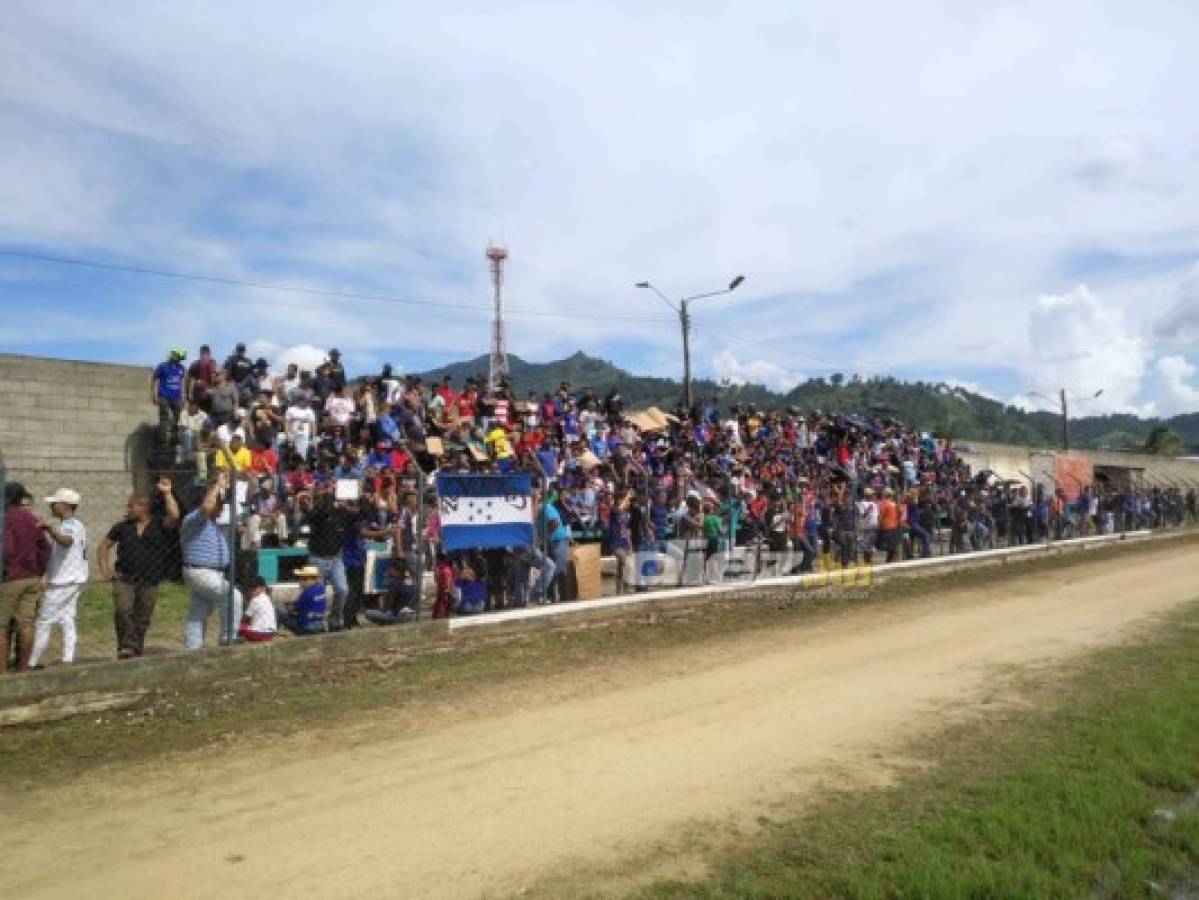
pixel 937 407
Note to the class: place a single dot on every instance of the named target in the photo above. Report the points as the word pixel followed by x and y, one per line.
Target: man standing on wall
pixel 144 544
pixel 26 553
pixel 167 393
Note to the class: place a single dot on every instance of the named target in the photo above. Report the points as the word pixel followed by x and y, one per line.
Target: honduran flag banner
pixel 483 511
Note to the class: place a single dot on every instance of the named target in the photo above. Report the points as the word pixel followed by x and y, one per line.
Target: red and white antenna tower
pixel 499 349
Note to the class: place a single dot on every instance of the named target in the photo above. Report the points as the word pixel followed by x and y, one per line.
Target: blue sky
pixel 1002 197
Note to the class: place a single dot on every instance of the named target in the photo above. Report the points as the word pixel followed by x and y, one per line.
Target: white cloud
pixel 1080 344
pixel 1180 326
pixel 1177 393
pixel 971 147
pixel 727 366
pixel 305 356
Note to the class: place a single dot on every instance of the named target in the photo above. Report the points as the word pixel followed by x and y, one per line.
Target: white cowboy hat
pixel 64 495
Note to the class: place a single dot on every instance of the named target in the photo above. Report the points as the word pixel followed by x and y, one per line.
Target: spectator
pixel 66 574
pixel 340 407
pixel 166 391
pixel 193 424
pixel 144 543
pixel 337 372
pixel 301 424
pixel 259 623
pixel 206 563
pixel 201 376
pixel 235 455
pixel 306 615
pixel 557 537
pixel 266 515
pixel 238 366
pixel 26 554
pixel 329 524
pixel 222 398
pixel 443 578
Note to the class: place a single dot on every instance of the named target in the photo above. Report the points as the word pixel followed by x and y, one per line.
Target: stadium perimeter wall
pixel 86 426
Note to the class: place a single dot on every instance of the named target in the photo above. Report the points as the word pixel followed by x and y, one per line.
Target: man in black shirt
pixel 145 548
pixel 238 366
pixel 329 524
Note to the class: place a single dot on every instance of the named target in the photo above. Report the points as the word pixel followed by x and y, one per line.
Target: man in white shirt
pixel 66 575
pixel 301 423
pixel 867 524
pixel 340 407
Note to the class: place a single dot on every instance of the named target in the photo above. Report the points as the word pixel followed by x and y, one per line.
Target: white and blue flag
pixel 483 511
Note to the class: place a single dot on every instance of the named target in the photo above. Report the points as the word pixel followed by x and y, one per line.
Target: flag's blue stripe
pixel 484 485
pixel 482 537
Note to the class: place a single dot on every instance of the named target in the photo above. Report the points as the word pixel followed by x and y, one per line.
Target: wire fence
pixel 186 557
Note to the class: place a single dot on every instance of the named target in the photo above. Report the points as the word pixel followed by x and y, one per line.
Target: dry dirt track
pixel 486 803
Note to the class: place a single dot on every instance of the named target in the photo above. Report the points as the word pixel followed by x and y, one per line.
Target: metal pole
pixel 230 631
pixel 419 575
pixel 1065 422
pixel 685 321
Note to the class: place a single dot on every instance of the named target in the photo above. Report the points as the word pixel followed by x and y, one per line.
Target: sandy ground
pixel 580 772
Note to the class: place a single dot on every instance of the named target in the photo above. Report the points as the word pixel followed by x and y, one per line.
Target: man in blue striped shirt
pixel 206 563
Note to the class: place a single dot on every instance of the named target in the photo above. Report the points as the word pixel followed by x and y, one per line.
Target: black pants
pixel 356 579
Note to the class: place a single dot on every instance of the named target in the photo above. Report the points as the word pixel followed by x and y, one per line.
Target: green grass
pixel 1058 801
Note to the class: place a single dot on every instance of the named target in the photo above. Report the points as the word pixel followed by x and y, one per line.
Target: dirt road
pixel 577 772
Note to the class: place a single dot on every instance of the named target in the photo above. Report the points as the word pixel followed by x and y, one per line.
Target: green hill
pixel 928 406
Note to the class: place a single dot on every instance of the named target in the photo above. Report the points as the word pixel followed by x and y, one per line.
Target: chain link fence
pixel 163 570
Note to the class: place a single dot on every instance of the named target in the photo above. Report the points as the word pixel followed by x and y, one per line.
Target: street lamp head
pixel 1097 393
pixel 736 282
pixel 642 284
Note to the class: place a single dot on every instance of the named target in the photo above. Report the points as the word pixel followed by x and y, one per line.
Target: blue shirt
pixel 551 520
pixel 310 609
pixel 204 542
pixel 169 377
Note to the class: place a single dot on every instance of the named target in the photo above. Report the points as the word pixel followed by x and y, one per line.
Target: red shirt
pixel 264 462
pixel 466 404
pixel 26 548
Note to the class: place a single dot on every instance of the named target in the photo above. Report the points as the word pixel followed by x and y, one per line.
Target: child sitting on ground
pixel 258 624
pixel 307 614
pixel 400 596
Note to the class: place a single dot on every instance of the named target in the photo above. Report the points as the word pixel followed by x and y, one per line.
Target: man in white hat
pixel 66 574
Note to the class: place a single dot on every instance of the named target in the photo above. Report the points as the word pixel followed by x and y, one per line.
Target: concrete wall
pixel 79 425
pixel 1010 461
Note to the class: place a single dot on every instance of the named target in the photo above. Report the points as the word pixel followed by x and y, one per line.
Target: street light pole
pixel 684 314
pixel 1065 423
pixel 1064 409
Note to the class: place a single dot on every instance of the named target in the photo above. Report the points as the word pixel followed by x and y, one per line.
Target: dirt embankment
pixel 575 774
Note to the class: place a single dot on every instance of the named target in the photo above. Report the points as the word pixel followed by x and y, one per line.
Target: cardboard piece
pixel 584 580
pixel 650 420
pixel 347 489
pixel 478 455
pixel 434 446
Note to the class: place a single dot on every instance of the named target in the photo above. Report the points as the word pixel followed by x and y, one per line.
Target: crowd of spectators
pixel 341 468
pixel 825 488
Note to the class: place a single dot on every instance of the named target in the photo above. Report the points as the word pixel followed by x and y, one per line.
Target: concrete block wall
pixel 79 425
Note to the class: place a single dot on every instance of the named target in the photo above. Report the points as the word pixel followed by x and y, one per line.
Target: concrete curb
pixel 250 660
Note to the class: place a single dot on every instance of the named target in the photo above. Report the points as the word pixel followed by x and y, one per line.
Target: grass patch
pixel 1054 801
